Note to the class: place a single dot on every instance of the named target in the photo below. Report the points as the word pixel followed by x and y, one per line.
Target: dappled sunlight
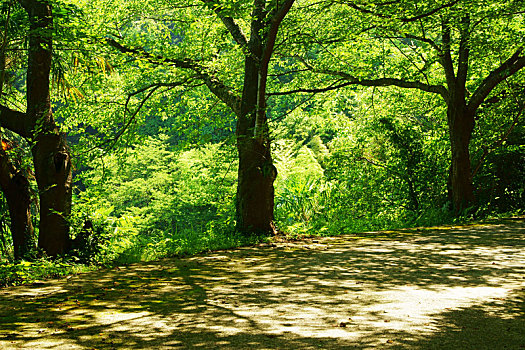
pixel 404 289
pixel 414 307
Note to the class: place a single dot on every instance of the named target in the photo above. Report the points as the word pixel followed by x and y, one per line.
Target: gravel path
pixel 437 288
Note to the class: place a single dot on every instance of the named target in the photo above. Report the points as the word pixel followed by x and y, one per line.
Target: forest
pixel 262 174
pixel 137 130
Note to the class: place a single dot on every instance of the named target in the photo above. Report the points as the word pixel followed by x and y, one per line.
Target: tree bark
pixel 54 179
pixel 461 125
pixel 256 172
pixel 51 156
pixel 15 186
pixel 255 191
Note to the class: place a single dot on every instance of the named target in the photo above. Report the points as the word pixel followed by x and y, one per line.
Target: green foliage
pixel 24 272
pixel 391 166
pixel 500 160
pixel 345 167
pixel 91 235
pixel 153 147
pixel 301 191
pixel 6 244
pixel 159 201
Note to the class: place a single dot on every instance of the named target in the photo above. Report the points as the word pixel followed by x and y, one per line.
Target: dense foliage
pixel 358 109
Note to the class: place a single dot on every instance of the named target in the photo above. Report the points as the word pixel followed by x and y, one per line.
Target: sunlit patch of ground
pixel 440 288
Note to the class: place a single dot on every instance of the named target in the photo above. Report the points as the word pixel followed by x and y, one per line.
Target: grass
pixel 25 272
pixel 138 250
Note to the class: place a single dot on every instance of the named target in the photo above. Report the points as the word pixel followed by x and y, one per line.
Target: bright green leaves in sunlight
pixel 359 104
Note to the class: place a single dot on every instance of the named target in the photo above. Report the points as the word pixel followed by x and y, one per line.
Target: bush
pixel 24 272
pixel 161 200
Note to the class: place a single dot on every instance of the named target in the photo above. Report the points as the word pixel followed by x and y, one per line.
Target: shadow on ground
pixel 440 288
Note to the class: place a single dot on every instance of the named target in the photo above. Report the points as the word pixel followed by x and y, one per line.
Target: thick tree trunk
pixel 255 192
pixel 461 124
pixel 256 173
pixel 54 178
pixel 15 187
pixel 50 152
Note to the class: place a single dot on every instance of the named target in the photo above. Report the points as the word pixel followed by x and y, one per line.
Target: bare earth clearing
pixel 439 288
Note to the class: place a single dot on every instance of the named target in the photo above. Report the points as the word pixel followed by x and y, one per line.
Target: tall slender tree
pixel 14 182
pixel 16 189
pixel 51 158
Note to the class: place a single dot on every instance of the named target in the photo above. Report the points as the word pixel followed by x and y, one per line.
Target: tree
pixel 463 51
pixel 50 153
pixel 256 172
pixel 16 189
pixel 13 180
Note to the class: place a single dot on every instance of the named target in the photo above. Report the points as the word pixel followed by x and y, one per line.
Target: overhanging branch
pixel 381 82
pixel 422 39
pixel 312 91
pixel 230 24
pixel 219 89
pixel 505 70
pixel 402 19
pixel 15 121
pixel 156 59
pixel 437 89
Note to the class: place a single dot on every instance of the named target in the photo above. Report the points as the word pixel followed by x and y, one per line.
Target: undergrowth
pixel 24 272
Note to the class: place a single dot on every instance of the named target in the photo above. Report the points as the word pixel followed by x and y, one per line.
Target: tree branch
pixel 375 163
pixel 412 62
pixel 424 40
pixel 437 89
pixel 219 89
pixel 445 55
pixel 429 13
pixel 153 88
pixel 402 19
pixel 464 53
pixel 234 29
pixel 505 70
pixel 111 142
pixel 313 91
pixel 3 47
pixel 15 121
pixel 276 21
pixel 156 59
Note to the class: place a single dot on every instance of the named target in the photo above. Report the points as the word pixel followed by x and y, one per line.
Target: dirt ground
pixel 439 288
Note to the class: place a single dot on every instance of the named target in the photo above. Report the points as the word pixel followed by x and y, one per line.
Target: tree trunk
pixel 54 178
pixel 461 125
pixel 50 152
pixel 255 192
pixel 256 173
pixel 15 187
